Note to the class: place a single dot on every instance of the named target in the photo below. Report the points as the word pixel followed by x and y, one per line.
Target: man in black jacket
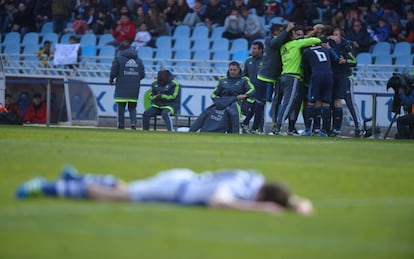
pixel 128 71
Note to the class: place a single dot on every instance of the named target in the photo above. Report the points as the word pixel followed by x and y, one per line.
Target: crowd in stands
pixel 391 21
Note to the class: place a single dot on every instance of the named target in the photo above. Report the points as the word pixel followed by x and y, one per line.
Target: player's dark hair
pixel 259 44
pixel 275 192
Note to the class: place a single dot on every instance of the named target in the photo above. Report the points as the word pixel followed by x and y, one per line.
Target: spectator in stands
pixel 98 27
pixel 142 37
pixel 36 112
pixel 194 16
pixel 258 6
pixel 338 20
pixel 382 32
pixel 252 65
pixel 45 54
pixel 236 4
pixel 24 20
pixel 390 15
pixel 128 71
pixel 176 11
pixel 61 12
pixel 157 26
pixel 359 37
pixel 74 40
pixel 353 14
pixel 140 17
pixel 253 28
pixel 78 26
pixel 409 26
pixel 9 17
pixel 395 33
pixel 215 14
pixel 298 14
pixel 124 31
pixel 272 9
pixel 165 99
pixel 43 11
pixel 234 25
pixel 373 15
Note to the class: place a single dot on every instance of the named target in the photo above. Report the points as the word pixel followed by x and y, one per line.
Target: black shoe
pixel 133 127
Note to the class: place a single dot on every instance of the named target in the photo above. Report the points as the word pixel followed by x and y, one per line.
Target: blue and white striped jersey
pixel 187 187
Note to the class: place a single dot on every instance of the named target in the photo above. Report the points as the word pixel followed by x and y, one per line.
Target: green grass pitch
pixel 363 191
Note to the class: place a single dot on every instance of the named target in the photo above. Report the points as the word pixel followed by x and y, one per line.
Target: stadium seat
pixel 364 58
pixel 200 32
pixel 201 44
pixel 163 56
pixel 11 38
pixel 30 38
pixel 403 63
pixel 88 51
pixel 30 58
pixel 201 59
pixel 105 38
pixel 88 39
pixel 65 38
pixel 181 31
pixel 384 67
pixel 146 54
pixel 31 49
pixel 277 20
pixel 240 56
pixel 402 48
pixel 106 54
pixel 239 44
pixel 50 36
pixel 163 42
pixel 182 43
pixel 220 44
pixel 46 28
pixel 182 58
pixel 381 48
pixel 220 60
pixel 217 32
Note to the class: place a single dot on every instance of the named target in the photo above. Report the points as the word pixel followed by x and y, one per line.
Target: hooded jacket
pixel 128 70
pixel 169 97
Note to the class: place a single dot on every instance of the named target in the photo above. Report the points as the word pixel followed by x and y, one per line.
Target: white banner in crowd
pixel 66 54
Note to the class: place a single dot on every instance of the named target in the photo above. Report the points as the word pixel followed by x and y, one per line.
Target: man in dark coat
pixel 128 71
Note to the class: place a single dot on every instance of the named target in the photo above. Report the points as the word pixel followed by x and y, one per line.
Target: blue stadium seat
pixel 11 38
pixel 220 44
pixel 182 58
pixel 31 49
pixel 201 44
pixel 50 36
pixel 364 58
pixel 105 38
pixel 220 60
pixel 106 54
pixel 163 42
pixel 200 32
pixel 88 51
pixel 181 31
pixel 277 20
pixel 403 63
pixel 240 56
pixel 88 39
pixel 65 38
pixel 239 44
pixel 46 28
pixel 30 38
pixel 163 56
pixel 146 54
pixel 384 67
pixel 182 43
pixel 217 32
pixel 381 48
pixel 201 59
pixel 402 48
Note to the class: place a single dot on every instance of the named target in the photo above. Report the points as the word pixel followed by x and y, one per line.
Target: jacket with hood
pixel 166 96
pixel 128 70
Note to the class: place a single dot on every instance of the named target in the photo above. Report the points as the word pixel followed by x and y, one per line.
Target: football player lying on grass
pixel 234 189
